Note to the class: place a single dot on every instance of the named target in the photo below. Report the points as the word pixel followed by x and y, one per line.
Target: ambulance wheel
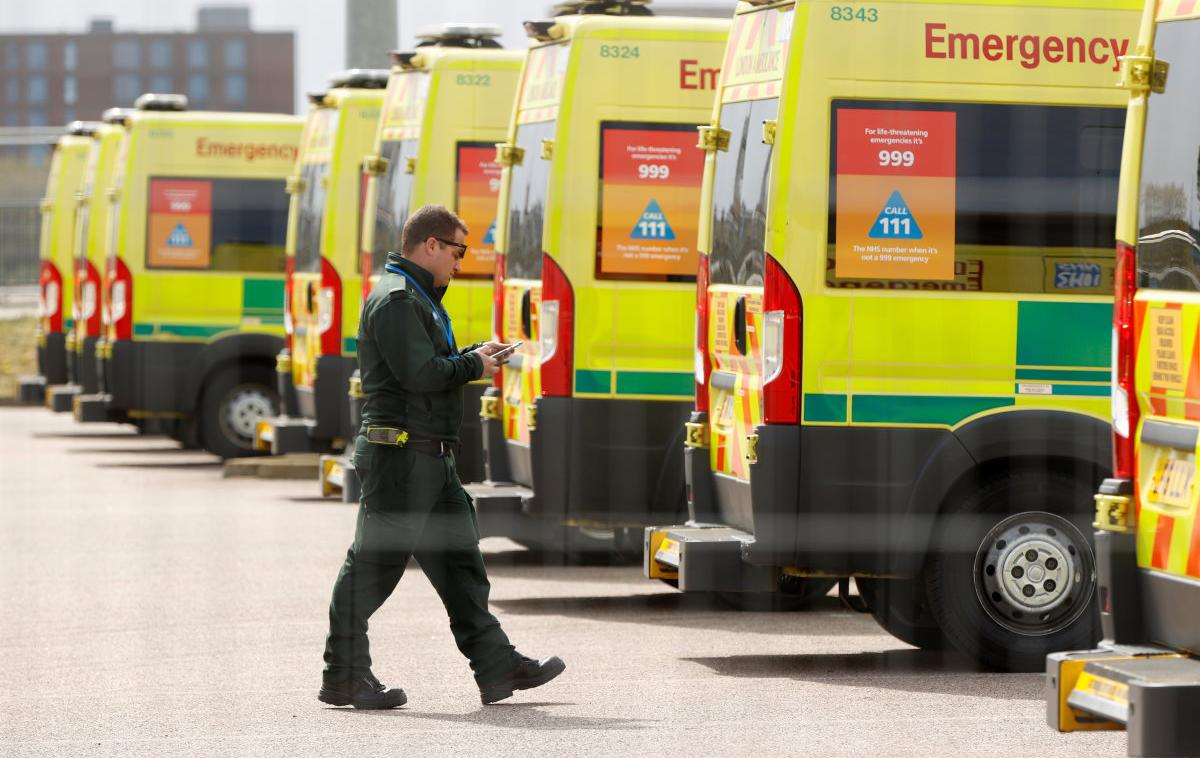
pixel 796 594
pixel 1012 576
pixel 234 400
pixel 900 607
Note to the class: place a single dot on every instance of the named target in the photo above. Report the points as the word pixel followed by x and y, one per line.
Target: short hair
pixel 430 221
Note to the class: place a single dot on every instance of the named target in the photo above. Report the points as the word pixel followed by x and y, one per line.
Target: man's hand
pixel 490 364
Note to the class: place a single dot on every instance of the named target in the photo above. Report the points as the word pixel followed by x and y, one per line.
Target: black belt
pixel 390 435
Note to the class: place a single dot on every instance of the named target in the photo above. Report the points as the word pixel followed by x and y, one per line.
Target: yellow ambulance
pixel 447 105
pixel 901 355
pixel 90 250
pixel 67 164
pixel 195 275
pixel 1145 676
pixel 323 287
pixel 597 234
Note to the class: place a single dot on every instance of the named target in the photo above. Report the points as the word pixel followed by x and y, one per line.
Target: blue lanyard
pixel 447 327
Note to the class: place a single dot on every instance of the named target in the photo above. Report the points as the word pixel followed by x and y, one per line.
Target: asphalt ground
pixel 152 608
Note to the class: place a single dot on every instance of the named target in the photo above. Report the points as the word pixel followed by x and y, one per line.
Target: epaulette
pixel 399 293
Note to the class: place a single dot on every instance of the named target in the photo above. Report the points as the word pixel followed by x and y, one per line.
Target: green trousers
pixel 413 505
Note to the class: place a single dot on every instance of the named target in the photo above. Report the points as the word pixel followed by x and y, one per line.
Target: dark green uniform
pixel 413 503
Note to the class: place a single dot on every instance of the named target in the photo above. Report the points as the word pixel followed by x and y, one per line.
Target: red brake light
pixel 120 299
pixel 498 310
pixel 329 310
pixel 51 294
pixel 782 321
pixel 703 361
pixel 1124 400
pixel 557 326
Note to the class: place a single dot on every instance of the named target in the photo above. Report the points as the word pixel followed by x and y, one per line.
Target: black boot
pixel 527 675
pixel 361 691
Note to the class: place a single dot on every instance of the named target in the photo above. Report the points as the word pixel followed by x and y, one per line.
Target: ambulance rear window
pixel 739 204
pixel 973 197
pixel 527 203
pixel 392 195
pixel 1168 253
pixel 310 217
pixel 217 224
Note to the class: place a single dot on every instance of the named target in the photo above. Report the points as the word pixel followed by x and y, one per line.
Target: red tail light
pixel 498 310
pixel 556 324
pixel 329 310
pixel 289 326
pixel 703 361
pixel 783 314
pixel 1124 399
pixel 51 284
pixel 87 299
pixel 120 300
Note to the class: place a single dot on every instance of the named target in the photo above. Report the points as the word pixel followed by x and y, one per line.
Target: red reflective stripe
pixel 1193 564
pixel 1162 542
pixel 1186 6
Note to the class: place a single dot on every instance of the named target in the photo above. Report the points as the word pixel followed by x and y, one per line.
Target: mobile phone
pixel 500 354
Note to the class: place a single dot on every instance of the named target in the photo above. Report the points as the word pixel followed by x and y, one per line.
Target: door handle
pixel 526 315
pixel 739 325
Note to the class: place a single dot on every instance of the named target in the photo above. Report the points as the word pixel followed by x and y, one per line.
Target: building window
pixel 37 89
pixel 197 89
pixel 197 53
pixel 127 54
pixel 12 118
pixel 12 56
pixel 235 89
pixel 13 90
pixel 126 88
pixel 161 83
pixel 235 54
pixel 69 91
pixel 70 56
pixel 36 55
pixel 160 53
pixel 37 118
pixel 69 115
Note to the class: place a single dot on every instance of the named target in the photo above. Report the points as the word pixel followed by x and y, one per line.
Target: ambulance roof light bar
pixel 82 128
pixel 119 116
pixel 603 7
pixel 361 78
pixel 155 101
pixel 460 35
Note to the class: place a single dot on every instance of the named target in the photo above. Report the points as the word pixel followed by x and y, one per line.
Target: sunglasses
pixel 462 249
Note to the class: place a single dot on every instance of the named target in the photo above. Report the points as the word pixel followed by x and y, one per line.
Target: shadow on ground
pixel 518 716
pixel 902 670
pixel 162 465
pixel 692 611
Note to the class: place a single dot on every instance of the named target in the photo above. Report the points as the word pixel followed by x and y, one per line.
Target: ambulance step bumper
pixel 32 390
pixel 283 434
pixel 338 478
pixel 501 508
pixel 61 397
pixel 92 409
pixel 705 559
pixel 1151 692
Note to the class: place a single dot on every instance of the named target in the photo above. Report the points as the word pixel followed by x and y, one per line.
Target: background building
pixel 51 79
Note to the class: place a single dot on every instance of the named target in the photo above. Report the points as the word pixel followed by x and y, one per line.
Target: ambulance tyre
pixel 900 607
pixel 1012 574
pixel 234 399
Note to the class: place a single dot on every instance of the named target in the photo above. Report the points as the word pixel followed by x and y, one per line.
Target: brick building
pixel 51 79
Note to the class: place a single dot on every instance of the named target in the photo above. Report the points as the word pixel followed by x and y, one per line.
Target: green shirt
pixel 411 370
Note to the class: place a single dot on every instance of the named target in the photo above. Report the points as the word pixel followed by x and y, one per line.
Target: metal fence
pixel 20 224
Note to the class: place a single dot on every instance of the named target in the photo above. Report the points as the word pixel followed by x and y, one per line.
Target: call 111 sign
pixel 895 194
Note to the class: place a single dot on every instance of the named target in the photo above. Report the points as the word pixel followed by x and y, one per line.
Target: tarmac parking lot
pixel 152 607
